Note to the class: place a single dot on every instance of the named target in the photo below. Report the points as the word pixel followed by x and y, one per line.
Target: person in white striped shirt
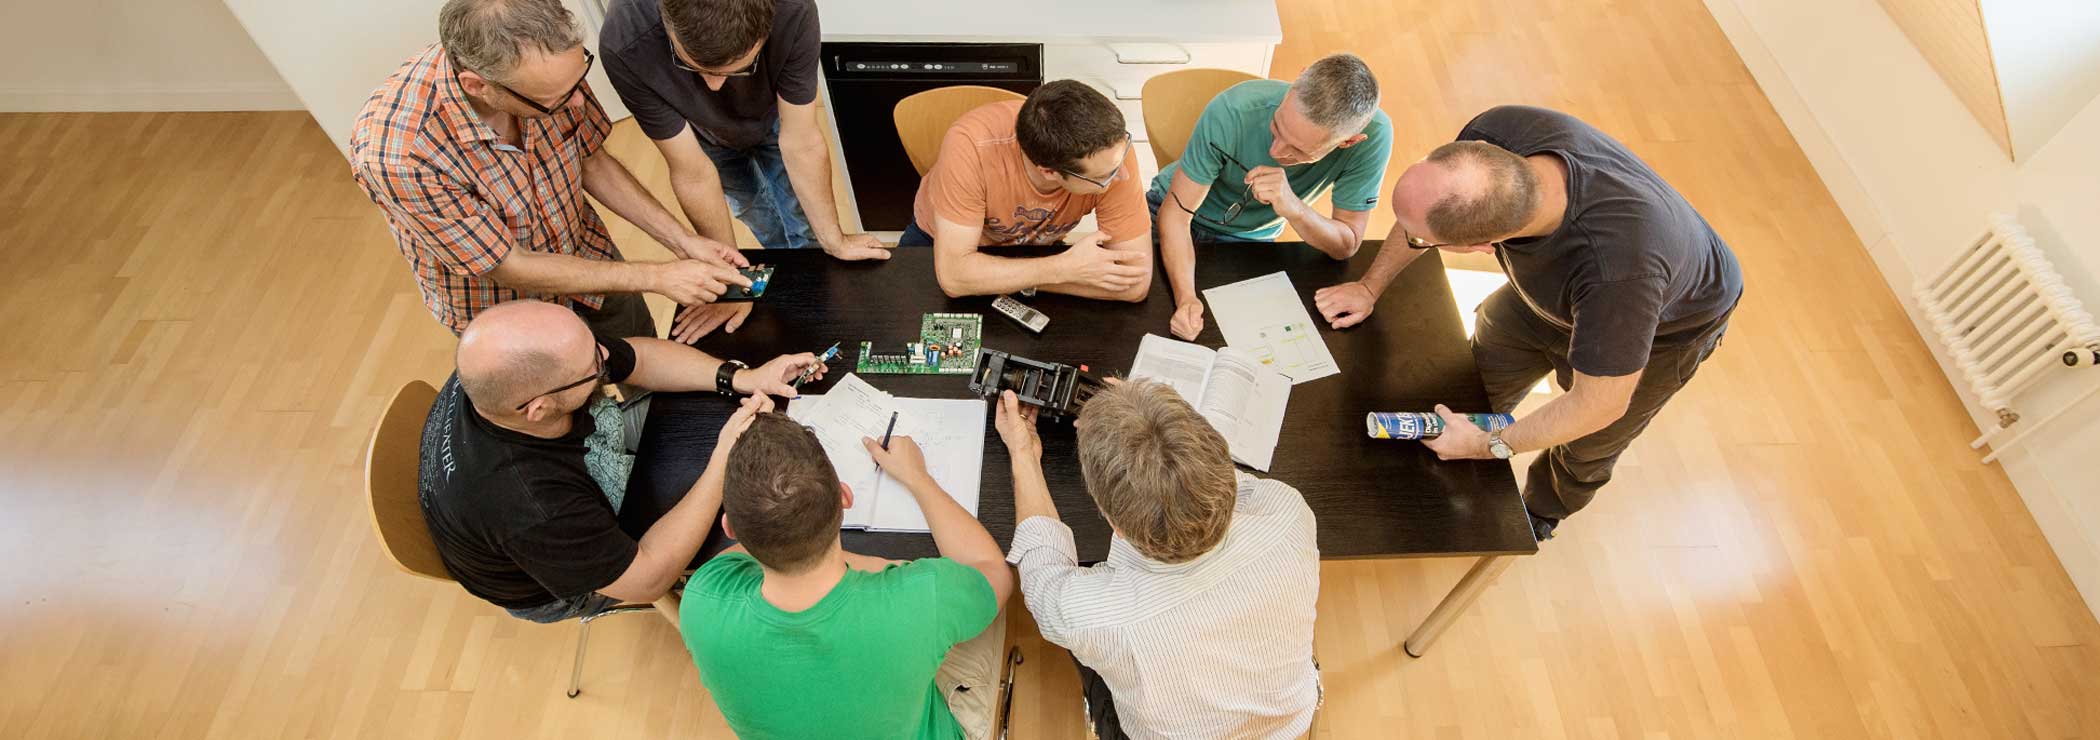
pixel 1200 623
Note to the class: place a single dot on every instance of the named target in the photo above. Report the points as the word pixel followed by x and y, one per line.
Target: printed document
pixel 1264 318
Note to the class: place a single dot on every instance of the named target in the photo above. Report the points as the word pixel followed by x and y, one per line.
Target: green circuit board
pixel 947 345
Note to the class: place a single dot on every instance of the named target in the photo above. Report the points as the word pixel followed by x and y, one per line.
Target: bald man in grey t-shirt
pixel 1616 286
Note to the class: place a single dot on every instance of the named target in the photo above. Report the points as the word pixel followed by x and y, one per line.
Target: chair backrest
pixel 1173 101
pixel 923 119
pixel 391 464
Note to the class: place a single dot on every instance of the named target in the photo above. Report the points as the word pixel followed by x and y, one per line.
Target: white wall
pixel 2047 54
pixel 104 55
pixel 1915 176
pixel 335 54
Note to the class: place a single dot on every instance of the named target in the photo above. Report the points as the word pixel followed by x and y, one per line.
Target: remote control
pixel 1028 318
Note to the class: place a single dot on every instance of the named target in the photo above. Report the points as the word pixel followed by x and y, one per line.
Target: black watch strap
pixel 725 377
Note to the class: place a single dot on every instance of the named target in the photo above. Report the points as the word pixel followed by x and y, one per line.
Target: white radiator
pixel 2008 320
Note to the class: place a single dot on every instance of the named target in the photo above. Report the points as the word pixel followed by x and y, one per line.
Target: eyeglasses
pixel 678 60
pixel 598 375
pixel 588 60
pixel 1113 175
pixel 1416 242
pixel 1231 211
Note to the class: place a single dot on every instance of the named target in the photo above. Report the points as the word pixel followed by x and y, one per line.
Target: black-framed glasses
pixel 598 375
pixel 1113 175
pixel 588 60
pixel 1231 211
pixel 678 60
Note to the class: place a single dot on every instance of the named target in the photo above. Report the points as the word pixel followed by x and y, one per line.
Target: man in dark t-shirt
pixel 1616 286
pixel 727 89
pixel 523 462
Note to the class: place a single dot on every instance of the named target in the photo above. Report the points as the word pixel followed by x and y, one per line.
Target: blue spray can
pixel 1415 425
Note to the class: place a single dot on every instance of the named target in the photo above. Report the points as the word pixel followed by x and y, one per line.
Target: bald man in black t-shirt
pixel 1616 286
pixel 523 462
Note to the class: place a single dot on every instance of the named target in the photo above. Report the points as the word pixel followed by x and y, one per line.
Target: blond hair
pixel 1160 473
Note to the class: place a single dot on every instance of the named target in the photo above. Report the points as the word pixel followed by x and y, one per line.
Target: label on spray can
pixel 1415 425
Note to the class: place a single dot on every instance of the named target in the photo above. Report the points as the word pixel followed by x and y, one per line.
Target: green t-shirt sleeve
pixel 964 602
pixel 1217 128
pixel 1363 177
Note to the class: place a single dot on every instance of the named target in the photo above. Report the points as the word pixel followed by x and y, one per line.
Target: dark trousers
pixel 623 315
pixel 1514 348
pixel 1100 705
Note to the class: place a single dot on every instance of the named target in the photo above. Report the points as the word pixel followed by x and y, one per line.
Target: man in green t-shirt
pixel 797 638
pixel 1262 149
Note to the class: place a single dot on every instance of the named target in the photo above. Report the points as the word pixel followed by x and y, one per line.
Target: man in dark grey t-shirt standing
pixel 1616 286
pixel 727 89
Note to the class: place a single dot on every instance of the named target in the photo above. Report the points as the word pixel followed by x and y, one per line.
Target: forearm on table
pixel 808 162
pixel 1393 258
pixel 967 271
pixel 1177 254
pixel 610 182
pixel 564 274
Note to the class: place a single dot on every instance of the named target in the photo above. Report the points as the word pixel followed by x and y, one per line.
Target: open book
pixel 950 433
pixel 1240 396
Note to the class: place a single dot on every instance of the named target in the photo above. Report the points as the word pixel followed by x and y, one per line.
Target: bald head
pixel 1466 193
pixel 521 348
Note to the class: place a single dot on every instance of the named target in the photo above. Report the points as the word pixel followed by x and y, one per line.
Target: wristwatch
pixel 1497 447
pixel 725 376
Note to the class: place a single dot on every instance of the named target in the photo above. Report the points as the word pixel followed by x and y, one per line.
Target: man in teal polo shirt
pixel 1261 150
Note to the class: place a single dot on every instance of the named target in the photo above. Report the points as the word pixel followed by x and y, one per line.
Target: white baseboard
pixel 221 98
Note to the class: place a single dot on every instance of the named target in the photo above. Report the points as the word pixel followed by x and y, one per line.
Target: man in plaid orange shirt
pixel 480 150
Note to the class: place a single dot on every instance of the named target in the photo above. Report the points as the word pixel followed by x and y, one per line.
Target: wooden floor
pixel 203 316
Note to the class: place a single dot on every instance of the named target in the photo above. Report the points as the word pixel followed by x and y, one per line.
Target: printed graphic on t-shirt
pixel 1029 226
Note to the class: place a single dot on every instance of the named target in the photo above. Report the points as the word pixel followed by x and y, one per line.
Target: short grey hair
pixel 1338 93
pixel 487 37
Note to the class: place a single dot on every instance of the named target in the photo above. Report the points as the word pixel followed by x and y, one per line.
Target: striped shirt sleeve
pixel 1047 558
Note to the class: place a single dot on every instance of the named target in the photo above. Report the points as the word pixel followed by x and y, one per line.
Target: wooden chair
pixel 923 119
pixel 1173 101
pixel 392 462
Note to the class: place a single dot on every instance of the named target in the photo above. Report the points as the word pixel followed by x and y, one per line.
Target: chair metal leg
pixel 1006 693
pixel 583 636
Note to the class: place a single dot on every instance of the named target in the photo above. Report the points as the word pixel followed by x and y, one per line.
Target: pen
pixel 886 432
pixel 825 357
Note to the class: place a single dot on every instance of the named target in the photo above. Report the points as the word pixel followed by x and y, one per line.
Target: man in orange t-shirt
pixel 1026 173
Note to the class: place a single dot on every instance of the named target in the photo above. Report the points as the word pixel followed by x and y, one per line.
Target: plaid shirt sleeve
pixel 462 232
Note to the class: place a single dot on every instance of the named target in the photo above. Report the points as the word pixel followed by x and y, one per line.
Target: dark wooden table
pixel 1373 498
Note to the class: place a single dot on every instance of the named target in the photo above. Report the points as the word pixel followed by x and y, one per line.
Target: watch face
pixel 1499 449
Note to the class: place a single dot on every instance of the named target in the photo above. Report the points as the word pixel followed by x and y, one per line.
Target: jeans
pixel 914 236
pixel 562 610
pixel 1514 348
pixel 755 181
pixel 1198 232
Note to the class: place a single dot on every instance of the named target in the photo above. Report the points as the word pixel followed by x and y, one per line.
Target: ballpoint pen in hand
pixel 887 432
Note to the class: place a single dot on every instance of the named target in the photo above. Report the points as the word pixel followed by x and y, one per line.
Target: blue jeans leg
pixel 756 183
